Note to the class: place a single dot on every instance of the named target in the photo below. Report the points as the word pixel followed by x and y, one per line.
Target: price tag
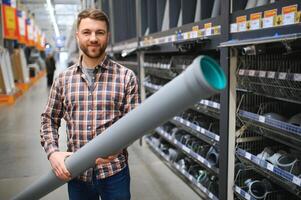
pixel 261 119
pixel 208 164
pixel 210 195
pixel 255 21
pixel 271 74
pixel 194 34
pixel 289 18
pixel 289 14
pixel 181 120
pixel 241 72
pixel 217 30
pixel 203 130
pixel 297 77
pixel 241 23
pixel 242 26
pixel 217 137
pixel 269 18
pixel 251 72
pixel 282 75
pixel 177 166
pixel 190 178
pixel 262 74
pixel 296 180
pixel 195 28
pixel 208 32
pixel 237 189
pixel 268 22
pixel 186 149
pixel 255 24
pixel 198 128
pixel 270 167
pixel 185 36
pixel 206 102
pixel 201 33
pixel 233 28
pixel 247 196
pixel 183 171
pixel 201 159
pixel 215 105
pixel 207 28
pixel 248 156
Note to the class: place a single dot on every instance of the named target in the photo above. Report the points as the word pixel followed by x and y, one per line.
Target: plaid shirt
pixel 89 110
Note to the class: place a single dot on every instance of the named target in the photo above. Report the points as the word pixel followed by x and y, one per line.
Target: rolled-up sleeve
pixel 51 119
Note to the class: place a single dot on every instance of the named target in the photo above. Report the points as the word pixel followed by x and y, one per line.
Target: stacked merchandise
pixel 7 84
pixel 20 69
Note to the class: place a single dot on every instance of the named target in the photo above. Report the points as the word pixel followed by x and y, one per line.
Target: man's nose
pixel 93 37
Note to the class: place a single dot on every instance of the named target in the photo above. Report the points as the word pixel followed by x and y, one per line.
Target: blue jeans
pixel 116 187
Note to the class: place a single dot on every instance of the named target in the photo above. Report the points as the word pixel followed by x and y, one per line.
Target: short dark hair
pixel 95 14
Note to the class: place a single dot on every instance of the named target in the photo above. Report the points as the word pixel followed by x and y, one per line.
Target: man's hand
pixel 58 165
pixel 106 160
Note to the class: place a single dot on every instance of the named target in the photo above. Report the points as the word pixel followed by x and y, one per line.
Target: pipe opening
pixel 213 73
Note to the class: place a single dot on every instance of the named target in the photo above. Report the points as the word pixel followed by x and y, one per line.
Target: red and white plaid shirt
pixel 88 111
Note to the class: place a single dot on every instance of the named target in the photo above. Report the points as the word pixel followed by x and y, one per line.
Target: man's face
pixel 92 37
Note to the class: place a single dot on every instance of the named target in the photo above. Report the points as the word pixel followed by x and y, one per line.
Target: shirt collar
pixel 103 64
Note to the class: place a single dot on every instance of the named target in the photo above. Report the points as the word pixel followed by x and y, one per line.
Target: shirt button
pixel 89 127
pixel 90 110
pixel 90 94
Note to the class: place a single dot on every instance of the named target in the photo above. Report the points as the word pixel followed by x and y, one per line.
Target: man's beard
pixel 100 50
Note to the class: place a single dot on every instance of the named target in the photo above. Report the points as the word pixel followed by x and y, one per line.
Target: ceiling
pixel 65 12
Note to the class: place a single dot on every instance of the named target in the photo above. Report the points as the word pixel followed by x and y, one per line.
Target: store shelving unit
pixel 258 50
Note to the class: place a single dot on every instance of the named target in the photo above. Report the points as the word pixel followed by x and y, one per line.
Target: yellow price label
pixel 270 13
pixel 200 33
pixel 207 25
pixel 216 30
pixel 241 19
pixel 255 16
pixel 195 28
pixel 289 9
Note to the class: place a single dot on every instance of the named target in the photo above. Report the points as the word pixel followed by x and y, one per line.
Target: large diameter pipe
pixel 251 4
pixel 216 8
pixel 202 79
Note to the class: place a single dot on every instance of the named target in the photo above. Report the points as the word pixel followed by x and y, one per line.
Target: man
pixel 50 69
pixel 90 96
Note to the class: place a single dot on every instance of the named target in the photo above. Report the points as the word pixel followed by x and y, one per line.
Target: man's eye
pixel 86 33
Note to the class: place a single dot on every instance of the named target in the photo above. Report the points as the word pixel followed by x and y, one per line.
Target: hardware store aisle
pixel 22 159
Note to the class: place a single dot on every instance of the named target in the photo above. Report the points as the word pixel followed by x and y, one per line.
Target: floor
pixel 23 161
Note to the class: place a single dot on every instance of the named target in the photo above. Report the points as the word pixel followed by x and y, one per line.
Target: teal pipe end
pixel 213 73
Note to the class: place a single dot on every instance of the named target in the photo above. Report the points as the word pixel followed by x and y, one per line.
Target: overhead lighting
pixel 52 17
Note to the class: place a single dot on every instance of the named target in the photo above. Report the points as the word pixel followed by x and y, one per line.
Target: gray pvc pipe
pixel 251 4
pixel 202 79
pixel 216 8
pixel 262 2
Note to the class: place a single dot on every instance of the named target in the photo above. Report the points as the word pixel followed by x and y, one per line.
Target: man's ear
pixel 76 35
pixel 109 36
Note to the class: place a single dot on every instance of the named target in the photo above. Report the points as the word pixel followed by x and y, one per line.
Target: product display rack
pixel 257 49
